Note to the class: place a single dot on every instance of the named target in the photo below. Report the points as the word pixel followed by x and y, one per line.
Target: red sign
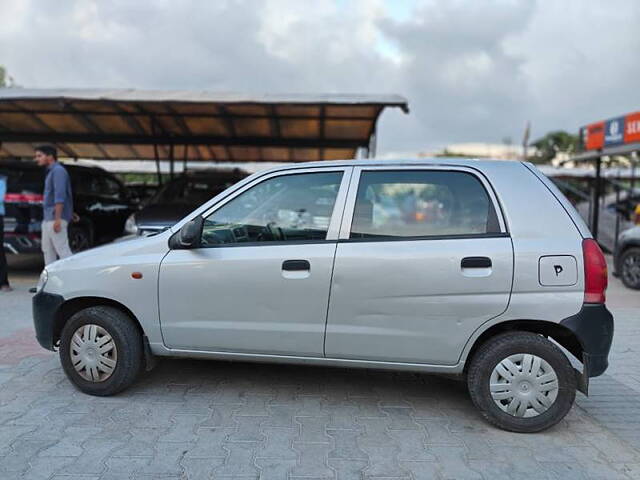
pixel 632 128
pixel 619 130
pixel 594 136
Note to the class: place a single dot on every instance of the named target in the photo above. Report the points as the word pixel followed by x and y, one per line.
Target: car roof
pixel 427 161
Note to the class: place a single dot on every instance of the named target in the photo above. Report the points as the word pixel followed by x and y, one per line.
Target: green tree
pixel 6 80
pixel 552 144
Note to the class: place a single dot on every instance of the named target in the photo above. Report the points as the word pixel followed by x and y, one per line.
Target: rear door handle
pixel 476 262
pixel 296 265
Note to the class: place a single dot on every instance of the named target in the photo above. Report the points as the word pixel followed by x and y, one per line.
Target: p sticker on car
pixel 557 270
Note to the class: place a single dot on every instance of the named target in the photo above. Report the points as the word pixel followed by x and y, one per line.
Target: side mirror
pixel 190 233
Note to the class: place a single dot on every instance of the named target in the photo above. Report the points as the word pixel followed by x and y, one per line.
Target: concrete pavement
pixel 200 420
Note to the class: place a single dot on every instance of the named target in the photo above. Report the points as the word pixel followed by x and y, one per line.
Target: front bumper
pixel 593 326
pixel 45 307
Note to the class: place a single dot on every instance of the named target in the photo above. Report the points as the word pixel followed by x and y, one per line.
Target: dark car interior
pixel 274 211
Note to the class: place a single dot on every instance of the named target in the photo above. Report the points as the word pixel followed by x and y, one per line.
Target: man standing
pixel 4 279
pixel 57 205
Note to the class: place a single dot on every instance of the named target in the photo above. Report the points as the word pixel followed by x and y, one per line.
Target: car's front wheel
pixel 521 382
pixel 101 350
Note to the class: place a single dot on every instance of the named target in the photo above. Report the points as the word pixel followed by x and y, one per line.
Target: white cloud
pixel 472 71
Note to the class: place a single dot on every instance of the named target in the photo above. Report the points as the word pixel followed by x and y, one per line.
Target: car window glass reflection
pixel 421 203
pixel 285 208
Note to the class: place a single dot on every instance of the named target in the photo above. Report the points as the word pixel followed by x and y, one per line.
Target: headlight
pixel 42 281
pixel 130 226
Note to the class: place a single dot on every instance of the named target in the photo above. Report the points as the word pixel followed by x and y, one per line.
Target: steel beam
pixel 155 139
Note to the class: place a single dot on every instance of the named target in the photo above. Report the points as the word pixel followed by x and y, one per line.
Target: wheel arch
pixel 559 333
pixel 74 305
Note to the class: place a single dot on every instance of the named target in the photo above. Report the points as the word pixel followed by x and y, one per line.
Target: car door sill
pixel 162 350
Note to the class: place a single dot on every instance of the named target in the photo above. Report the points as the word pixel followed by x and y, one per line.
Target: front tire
pixel 101 350
pixel 521 382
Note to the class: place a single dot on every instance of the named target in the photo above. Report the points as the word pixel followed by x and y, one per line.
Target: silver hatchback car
pixel 475 268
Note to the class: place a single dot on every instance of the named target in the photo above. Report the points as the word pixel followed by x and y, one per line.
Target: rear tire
pixel 101 350
pixel 537 389
pixel 630 268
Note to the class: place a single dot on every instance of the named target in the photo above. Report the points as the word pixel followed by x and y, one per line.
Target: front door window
pixel 286 208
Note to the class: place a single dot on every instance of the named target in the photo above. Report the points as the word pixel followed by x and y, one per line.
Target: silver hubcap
pixel 523 385
pixel 631 269
pixel 93 353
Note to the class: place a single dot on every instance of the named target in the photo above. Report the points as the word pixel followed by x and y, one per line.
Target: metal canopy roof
pixel 189 125
pixel 607 151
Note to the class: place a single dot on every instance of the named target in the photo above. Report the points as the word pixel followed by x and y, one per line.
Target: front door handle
pixel 296 265
pixel 476 262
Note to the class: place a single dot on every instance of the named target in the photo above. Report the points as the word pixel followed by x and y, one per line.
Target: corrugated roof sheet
pixel 192 125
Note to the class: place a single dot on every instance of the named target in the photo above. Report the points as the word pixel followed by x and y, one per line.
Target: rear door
pixel 423 259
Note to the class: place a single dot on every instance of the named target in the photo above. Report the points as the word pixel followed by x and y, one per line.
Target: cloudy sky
pixel 472 70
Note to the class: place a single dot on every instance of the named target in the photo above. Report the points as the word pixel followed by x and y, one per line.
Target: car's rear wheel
pixel 630 268
pixel 101 350
pixel 521 382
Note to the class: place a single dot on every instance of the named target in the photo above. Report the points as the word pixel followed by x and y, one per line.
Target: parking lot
pixel 198 419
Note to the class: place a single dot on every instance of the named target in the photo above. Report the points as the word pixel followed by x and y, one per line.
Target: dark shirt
pixel 57 189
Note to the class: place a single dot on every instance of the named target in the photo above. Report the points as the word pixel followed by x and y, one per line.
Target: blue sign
pixel 614 131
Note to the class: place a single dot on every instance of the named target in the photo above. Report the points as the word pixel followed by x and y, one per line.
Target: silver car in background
pixel 472 268
pixel 614 216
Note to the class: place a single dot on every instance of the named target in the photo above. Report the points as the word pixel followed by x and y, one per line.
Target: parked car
pixel 140 192
pixel 612 210
pixel 626 258
pixel 99 199
pixel 313 264
pixel 179 197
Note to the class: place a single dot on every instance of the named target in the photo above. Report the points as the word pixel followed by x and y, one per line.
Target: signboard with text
pixel 615 131
pixel 632 128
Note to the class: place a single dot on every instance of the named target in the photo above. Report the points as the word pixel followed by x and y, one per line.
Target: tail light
pixel 30 198
pixel 595 272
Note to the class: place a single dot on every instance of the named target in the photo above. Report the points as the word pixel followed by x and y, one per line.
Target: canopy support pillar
pixel 184 159
pixel 157 157
pixel 596 197
pixel 171 161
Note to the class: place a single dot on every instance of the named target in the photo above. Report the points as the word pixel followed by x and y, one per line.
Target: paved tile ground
pixel 201 420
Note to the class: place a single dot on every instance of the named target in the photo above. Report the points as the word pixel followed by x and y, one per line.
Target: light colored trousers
pixel 55 245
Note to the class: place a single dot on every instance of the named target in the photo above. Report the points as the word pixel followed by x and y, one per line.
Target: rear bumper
pixel 593 326
pixel 45 307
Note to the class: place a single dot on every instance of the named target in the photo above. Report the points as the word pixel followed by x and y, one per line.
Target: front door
pixel 260 281
pixel 423 260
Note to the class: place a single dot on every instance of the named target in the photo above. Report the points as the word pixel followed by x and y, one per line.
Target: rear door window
pixel 421 203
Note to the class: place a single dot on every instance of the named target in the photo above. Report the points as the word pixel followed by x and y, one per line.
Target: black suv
pixel 100 200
